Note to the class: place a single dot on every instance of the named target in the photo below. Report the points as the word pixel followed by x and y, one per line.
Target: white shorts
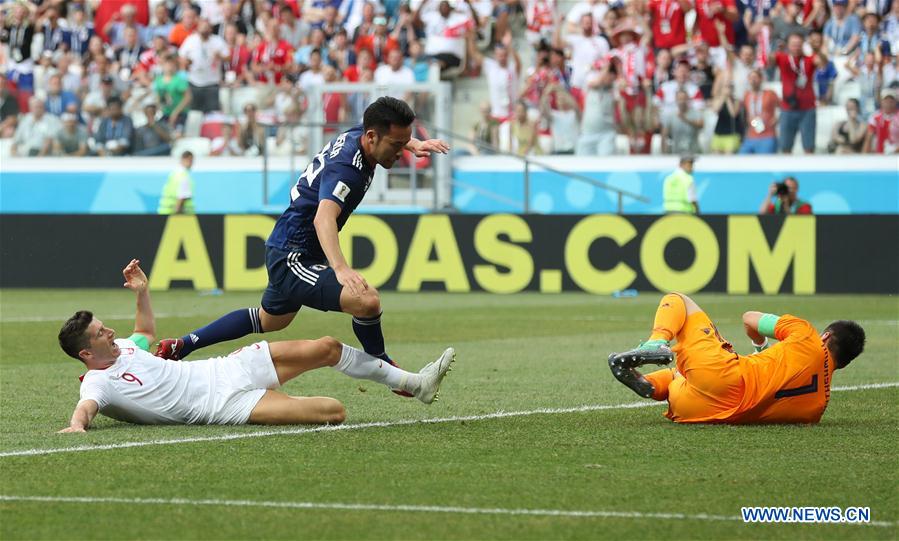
pixel 241 379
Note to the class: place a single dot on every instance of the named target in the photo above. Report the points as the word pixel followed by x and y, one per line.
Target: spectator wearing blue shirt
pixel 756 10
pixel 161 26
pixel 54 33
pixel 418 62
pixel 316 41
pixel 871 40
pixel 116 131
pixel 842 30
pixel 115 28
pixel 80 32
pixel 58 100
pixel 825 75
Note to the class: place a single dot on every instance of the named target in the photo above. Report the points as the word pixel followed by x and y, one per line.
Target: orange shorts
pixel 708 384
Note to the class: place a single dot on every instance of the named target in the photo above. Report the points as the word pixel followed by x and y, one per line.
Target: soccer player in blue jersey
pixel 305 264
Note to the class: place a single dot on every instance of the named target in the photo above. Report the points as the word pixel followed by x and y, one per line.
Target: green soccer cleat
pixel 624 365
pixel 630 377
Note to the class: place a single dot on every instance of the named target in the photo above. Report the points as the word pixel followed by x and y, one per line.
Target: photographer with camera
pixel 783 198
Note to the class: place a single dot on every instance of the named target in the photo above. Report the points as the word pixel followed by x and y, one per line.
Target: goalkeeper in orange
pixel 788 382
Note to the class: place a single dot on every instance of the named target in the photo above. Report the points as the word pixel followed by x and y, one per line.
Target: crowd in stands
pixel 131 77
pixel 690 76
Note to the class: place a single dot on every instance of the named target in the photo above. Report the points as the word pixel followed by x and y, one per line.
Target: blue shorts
pixel 797 121
pixel 294 282
pixel 765 145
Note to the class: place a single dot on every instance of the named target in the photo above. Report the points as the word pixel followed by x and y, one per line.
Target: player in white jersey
pixel 125 382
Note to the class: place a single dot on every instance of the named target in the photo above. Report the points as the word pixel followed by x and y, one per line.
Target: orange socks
pixel 670 317
pixel 660 380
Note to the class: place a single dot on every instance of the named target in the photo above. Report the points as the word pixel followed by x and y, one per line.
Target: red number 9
pixel 131 378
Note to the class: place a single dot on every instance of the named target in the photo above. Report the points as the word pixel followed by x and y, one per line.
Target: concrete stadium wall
pixel 726 185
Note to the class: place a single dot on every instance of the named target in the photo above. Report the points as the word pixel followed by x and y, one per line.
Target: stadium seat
pixel 451 73
pixel 655 146
pixel 545 143
pixel 139 119
pixel 845 90
pixel 193 123
pixel 212 125
pixel 505 137
pixel 827 117
pixel 710 118
pixel 243 96
pixel 622 145
pixel 6 147
pixel 225 99
pixel 200 146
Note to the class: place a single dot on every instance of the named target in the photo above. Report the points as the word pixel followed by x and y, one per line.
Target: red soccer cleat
pixel 170 348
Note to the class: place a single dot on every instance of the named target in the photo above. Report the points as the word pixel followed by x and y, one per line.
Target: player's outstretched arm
pixel 326 228
pixel 759 326
pixel 422 149
pixel 136 280
pixel 84 413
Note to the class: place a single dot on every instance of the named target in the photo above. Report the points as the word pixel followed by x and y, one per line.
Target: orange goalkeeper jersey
pixel 788 382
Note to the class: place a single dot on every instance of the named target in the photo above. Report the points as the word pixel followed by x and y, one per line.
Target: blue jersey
pixel 339 173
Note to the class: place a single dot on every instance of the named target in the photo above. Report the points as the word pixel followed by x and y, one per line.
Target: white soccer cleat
pixel 432 374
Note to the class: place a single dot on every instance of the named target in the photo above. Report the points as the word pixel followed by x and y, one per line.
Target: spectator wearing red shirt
pixel 760 108
pixel 635 82
pixel 272 57
pixel 711 12
pixel 363 61
pixel 883 128
pixel 109 10
pixel 379 43
pixel 797 76
pixel 668 27
pixel 149 64
pixel 238 56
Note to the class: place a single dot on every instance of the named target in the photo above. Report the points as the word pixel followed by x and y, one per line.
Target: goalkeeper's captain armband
pixel 766 325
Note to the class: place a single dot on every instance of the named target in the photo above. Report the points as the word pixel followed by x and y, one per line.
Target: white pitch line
pixel 866 386
pixel 108 317
pixel 378 424
pixel 327 428
pixel 391 508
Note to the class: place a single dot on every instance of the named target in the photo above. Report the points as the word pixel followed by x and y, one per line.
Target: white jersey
pixel 502 82
pixel 144 389
pixel 205 59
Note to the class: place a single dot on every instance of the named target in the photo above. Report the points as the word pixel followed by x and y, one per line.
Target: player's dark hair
pixel 847 341
pixel 187 154
pixel 73 335
pixel 386 112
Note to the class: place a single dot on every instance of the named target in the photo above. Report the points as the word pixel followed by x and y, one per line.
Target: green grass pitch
pixel 633 473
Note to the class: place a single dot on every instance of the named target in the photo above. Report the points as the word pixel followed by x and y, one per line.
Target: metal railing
pixel 413 171
pixel 528 162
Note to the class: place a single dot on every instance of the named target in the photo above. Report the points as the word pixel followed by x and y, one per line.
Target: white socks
pixel 360 365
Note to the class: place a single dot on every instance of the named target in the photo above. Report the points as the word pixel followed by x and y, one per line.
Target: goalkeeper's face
pixel 388 147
